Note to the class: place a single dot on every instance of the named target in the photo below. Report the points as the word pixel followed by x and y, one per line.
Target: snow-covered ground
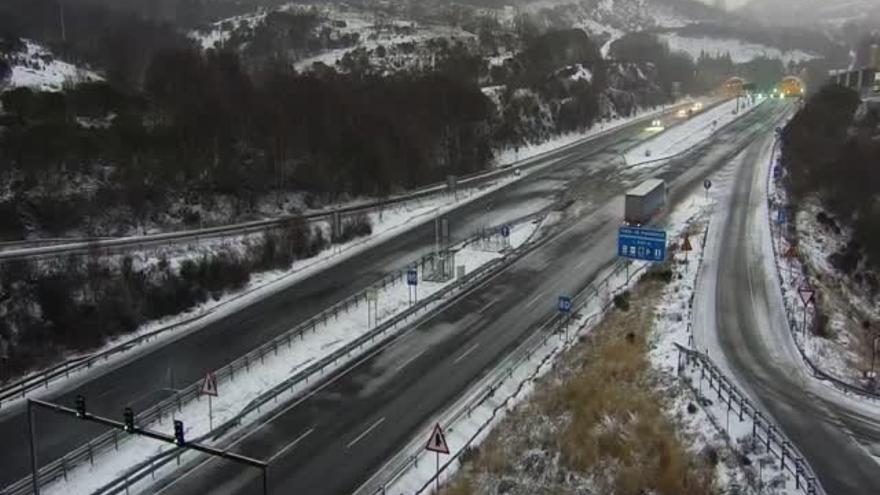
pixel 38 69
pixel 386 224
pixel 684 136
pixel 740 51
pixel 712 425
pixel 510 156
pixel 469 421
pixel 246 385
pixel 845 352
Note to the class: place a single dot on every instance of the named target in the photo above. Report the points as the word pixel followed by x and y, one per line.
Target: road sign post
pixel 564 306
pixel 437 444
pixel 686 247
pixel 209 388
pixel 707 184
pixel 505 234
pixel 808 296
pixel 641 244
pixel 412 283
pixel 372 298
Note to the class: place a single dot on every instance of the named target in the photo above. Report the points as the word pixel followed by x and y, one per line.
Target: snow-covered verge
pixel 245 386
pixel 502 433
pixel 36 67
pixel 513 155
pixel 386 223
pixel 718 418
pixel 685 135
pixel 838 339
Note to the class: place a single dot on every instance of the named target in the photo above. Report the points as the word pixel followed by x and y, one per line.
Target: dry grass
pixel 597 415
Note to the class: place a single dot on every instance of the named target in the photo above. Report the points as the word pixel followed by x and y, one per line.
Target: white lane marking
pixel 484 308
pixel 465 353
pixel 365 433
pixel 411 359
pixel 532 300
pixel 291 444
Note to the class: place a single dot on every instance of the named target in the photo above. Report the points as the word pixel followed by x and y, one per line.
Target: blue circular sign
pixel 505 231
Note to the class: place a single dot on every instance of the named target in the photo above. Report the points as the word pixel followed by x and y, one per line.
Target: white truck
pixel 644 201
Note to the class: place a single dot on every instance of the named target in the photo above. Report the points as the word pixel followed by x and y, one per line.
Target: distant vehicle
pixel 516 172
pixel 696 107
pixel 683 113
pixel 656 123
pixel 644 201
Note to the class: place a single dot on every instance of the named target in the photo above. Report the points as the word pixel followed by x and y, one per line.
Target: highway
pixel 739 298
pixel 147 374
pixel 333 439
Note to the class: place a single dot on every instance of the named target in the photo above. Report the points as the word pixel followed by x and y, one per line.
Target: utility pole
pixel 61 21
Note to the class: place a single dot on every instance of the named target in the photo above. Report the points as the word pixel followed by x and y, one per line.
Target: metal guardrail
pixel 58 469
pixel 42 379
pixel 85 245
pixel 538 339
pixel 372 338
pixel 763 428
pixel 794 327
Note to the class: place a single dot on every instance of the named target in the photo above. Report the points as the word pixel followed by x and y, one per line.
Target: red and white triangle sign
pixel 807 293
pixel 686 244
pixel 437 442
pixel 209 386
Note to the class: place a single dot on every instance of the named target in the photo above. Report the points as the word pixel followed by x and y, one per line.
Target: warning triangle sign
pixel 209 386
pixel 686 244
pixel 437 442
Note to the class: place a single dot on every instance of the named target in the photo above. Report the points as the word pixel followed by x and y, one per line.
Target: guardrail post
pixel 91 457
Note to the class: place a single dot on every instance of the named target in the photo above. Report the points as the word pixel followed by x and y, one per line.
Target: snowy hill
pixel 829 13
pixel 740 51
pixel 33 66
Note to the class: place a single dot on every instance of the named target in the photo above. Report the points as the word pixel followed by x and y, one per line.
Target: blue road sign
pixel 564 304
pixel 412 277
pixel 777 171
pixel 505 231
pixel 781 216
pixel 641 244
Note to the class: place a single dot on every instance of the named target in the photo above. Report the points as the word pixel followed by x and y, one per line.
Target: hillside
pixel 31 65
pixel 820 12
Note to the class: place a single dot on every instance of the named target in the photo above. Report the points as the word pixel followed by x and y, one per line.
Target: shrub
pixel 621 301
pixel 354 227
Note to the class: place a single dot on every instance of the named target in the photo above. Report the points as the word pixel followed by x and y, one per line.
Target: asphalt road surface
pixel 834 433
pixel 332 440
pixel 147 375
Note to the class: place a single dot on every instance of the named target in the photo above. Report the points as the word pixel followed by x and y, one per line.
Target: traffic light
pixel 80 406
pixel 178 432
pixel 128 417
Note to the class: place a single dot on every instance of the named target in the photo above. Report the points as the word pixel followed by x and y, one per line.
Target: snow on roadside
pixel 387 223
pixel 247 385
pixel 709 427
pixel 471 419
pixel 845 352
pixel 509 156
pixel 684 136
